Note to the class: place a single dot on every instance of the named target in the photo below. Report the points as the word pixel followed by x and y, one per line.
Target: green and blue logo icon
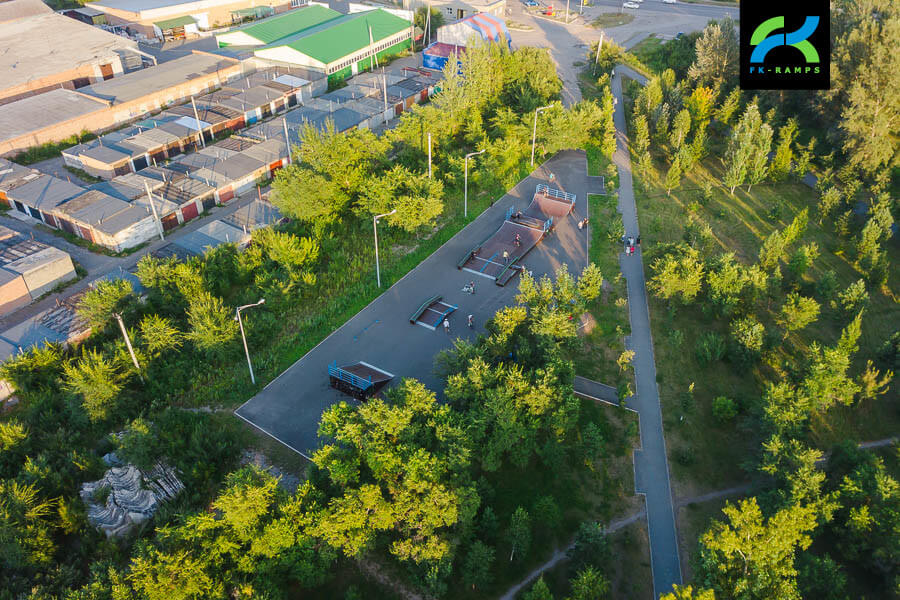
pixel 784 46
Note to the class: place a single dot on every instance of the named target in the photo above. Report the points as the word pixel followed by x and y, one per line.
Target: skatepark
pixel 399 333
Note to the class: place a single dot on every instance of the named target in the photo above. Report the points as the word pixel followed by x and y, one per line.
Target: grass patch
pixel 607 20
pixel 647 49
pixel 599 164
pixel 50 149
pixel 693 521
pixel 87 244
pixel 83 175
pixel 705 453
pixel 518 26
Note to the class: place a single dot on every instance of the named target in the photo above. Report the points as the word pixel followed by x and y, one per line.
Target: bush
pixel 684 456
pixel 710 347
pixel 724 408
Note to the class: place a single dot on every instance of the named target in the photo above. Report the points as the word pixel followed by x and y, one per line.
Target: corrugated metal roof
pixel 45 192
pixel 348 36
pixel 271 30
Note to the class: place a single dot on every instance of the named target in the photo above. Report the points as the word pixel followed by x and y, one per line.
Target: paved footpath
pixel 651 468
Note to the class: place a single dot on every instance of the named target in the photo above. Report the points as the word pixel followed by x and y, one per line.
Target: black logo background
pixel 754 12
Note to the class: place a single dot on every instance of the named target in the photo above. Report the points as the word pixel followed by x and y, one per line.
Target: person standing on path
pixel 470 320
pixel 447 326
pixel 505 257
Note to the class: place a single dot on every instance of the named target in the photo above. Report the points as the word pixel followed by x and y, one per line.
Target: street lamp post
pixel 534 131
pixel 466 185
pixel 244 337
pixel 375 227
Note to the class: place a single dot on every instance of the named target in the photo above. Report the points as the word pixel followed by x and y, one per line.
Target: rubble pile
pixel 133 496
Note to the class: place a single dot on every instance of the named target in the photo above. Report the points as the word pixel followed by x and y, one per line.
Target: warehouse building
pixel 182 18
pixel 29 269
pixel 343 46
pixel 77 56
pixel 275 29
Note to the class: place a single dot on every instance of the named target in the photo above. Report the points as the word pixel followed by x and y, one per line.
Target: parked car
pixel 679 35
pixel 529 3
pixel 668 1
pixel 630 5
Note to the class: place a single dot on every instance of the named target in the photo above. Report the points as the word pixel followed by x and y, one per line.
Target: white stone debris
pixel 133 496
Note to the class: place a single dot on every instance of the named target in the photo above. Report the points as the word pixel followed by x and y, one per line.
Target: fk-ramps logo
pixel 785 47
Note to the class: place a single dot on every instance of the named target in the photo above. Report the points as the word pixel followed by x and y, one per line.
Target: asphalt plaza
pixel 290 406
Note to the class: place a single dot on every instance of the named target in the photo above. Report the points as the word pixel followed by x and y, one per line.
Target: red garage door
pixel 189 211
pixel 225 194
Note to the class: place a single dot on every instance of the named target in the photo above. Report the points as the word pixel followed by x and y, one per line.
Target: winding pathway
pixel 651 468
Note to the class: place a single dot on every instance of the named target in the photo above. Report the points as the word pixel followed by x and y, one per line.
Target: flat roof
pixel 45 192
pixel 275 28
pixel 344 36
pixel 44 110
pixel 10 10
pixel 43 45
pixel 137 84
pixel 137 6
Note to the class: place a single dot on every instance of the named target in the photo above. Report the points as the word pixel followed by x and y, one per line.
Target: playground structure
pixel 526 227
pixel 432 312
pixel 360 380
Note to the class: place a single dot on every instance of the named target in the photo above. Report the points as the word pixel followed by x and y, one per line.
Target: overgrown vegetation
pixel 775 309
pixel 51 149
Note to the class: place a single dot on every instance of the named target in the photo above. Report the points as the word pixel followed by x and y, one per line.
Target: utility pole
pixel 287 140
pixel 429 155
pixel 199 127
pixel 567 12
pixel 159 227
pixel 244 337
pixel 597 60
pixel 118 318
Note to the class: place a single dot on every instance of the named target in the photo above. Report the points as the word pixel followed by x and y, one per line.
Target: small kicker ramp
pixel 432 312
pixel 360 380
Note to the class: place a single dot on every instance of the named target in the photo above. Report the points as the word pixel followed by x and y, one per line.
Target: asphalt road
pixel 290 407
pixel 651 468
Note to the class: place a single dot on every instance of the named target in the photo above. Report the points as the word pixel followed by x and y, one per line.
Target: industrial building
pixel 320 38
pixel 77 56
pixel 454 10
pixel 482 26
pixel 181 18
pixel 29 269
pixel 12 10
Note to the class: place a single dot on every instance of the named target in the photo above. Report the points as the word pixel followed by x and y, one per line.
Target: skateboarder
pixel 470 320
pixel 446 325
pixel 518 241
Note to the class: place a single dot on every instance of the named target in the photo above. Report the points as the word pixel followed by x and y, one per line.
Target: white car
pixel 668 1
pixel 630 5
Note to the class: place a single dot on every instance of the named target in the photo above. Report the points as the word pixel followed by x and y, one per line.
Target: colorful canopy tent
pixel 484 25
pixel 436 55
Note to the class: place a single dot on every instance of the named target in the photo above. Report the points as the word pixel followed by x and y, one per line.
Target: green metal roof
pixel 348 35
pixel 290 23
pixel 173 23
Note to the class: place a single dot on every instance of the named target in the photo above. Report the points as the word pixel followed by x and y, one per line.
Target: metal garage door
pixel 189 211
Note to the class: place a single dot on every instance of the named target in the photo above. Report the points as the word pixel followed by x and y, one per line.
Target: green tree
pixel 717 55
pixel 97 380
pixel 748 335
pixel 751 556
pixel 416 198
pixel 590 584
pixel 476 570
pixel 591 548
pixel 854 299
pixel 26 541
pixel 641 140
pixel 677 275
pixel 159 335
pixel 401 469
pixel 829 201
pixel 724 408
pixel 519 533
pixel 796 313
pixel 164 576
pixel 802 259
pixel 729 106
pixel 700 105
pixel 673 177
pixel 743 147
pixel 681 127
pixel 758 167
pixel 107 297
pixel 212 325
pixel 539 591
pixel 436 20
pixel 784 151
pixel 686 592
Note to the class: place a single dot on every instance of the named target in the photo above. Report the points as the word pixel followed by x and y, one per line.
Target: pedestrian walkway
pixel 651 468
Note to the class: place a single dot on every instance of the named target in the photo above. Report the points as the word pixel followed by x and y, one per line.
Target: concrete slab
pixel 289 408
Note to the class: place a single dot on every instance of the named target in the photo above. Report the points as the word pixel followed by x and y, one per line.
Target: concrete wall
pixel 43 270
pixel 64 79
pixel 108 118
pixel 13 292
pixel 137 234
pixel 208 17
